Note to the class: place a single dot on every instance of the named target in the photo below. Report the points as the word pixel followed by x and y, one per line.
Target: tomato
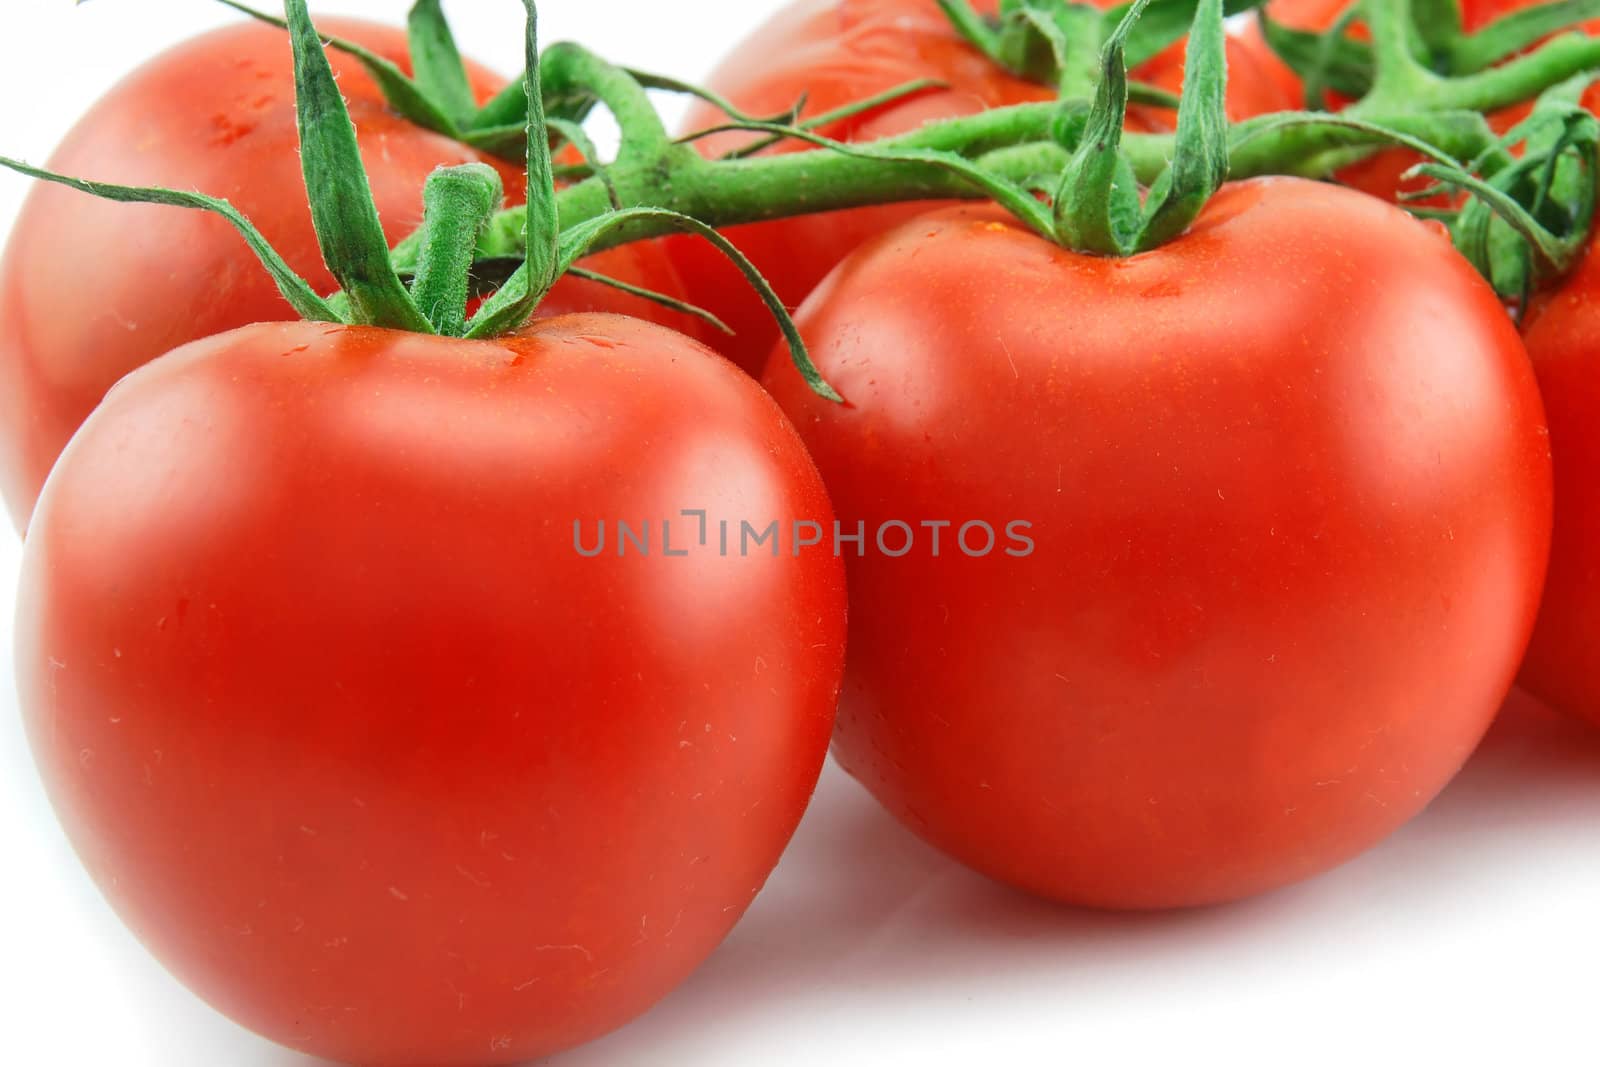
pixel 1285 554
pixel 90 290
pixel 835 53
pixel 1253 87
pixel 1563 337
pixel 352 736
pixel 1382 174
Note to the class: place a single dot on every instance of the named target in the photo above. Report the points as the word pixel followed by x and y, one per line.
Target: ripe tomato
pixel 1288 551
pixel 90 290
pixel 834 53
pixel 1381 174
pixel 1253 87
pixel 351 735
pixel 1563 337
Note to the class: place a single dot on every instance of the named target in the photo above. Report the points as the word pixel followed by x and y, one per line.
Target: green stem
pixel 570 69
pixel 1516 32
pixel 457 203
pixel 1524 78
pixel 1401 77
pixel 1018 144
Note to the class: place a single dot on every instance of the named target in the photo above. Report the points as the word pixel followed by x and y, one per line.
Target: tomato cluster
pixel 366 742
pixel 215 114
pixel 832 52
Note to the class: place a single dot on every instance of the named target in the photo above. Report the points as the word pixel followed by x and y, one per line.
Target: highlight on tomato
pixel 1285 554
pixel 332 700
pixel 437 679
pixel 1288 552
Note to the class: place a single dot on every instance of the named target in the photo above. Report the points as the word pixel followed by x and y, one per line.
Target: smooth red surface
pixel 1291 493
pixel 356 742
pixel 834 53
pixel 89 290
pixel 1563 337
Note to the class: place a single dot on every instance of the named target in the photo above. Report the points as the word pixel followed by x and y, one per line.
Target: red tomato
pixel 1381 174
pixel 1253 87
pixel 90 290
pixel 1287 551
pixel 834 53
pixel 1563 337
pixel 356 741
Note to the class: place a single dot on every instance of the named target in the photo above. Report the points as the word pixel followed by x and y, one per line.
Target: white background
pixel 1471 937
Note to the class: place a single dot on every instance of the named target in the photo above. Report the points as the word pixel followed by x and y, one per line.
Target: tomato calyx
pixel 1067 168
pixel 1097 206
pixel 1531 191
pixel 1529 222
pixel 437 95
pixel 1060 43
pixel 459 203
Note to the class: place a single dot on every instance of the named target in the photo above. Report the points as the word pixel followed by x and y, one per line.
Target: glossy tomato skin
pixel 834 53
pixel 354 739
pixel 1289 491
pixel 89 290
pixel 1563 337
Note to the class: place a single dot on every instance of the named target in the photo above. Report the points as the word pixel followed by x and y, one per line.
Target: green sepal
pixel 1072 35
pixel 671 303
pixel 1530 220
pixel 1200 161
pixel 1034 35
pixel 502 142
pixel 1323 61
pixel 1163 24
pixel 1097 200
pixel 436 63
pixel 1438 28
pixel 543 235
pixel 1152 96
pixel 508 107
pixel 399 91
pixel 295 289
pixel 499 312
pixel 348 231
pixel 1041 40
pixel 516 301
pixel 978 31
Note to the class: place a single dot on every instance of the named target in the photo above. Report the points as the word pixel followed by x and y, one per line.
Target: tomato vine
pixel 1067 167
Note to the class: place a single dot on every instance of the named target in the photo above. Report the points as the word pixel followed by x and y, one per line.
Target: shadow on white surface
pixel 869 940
pixel 870 947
